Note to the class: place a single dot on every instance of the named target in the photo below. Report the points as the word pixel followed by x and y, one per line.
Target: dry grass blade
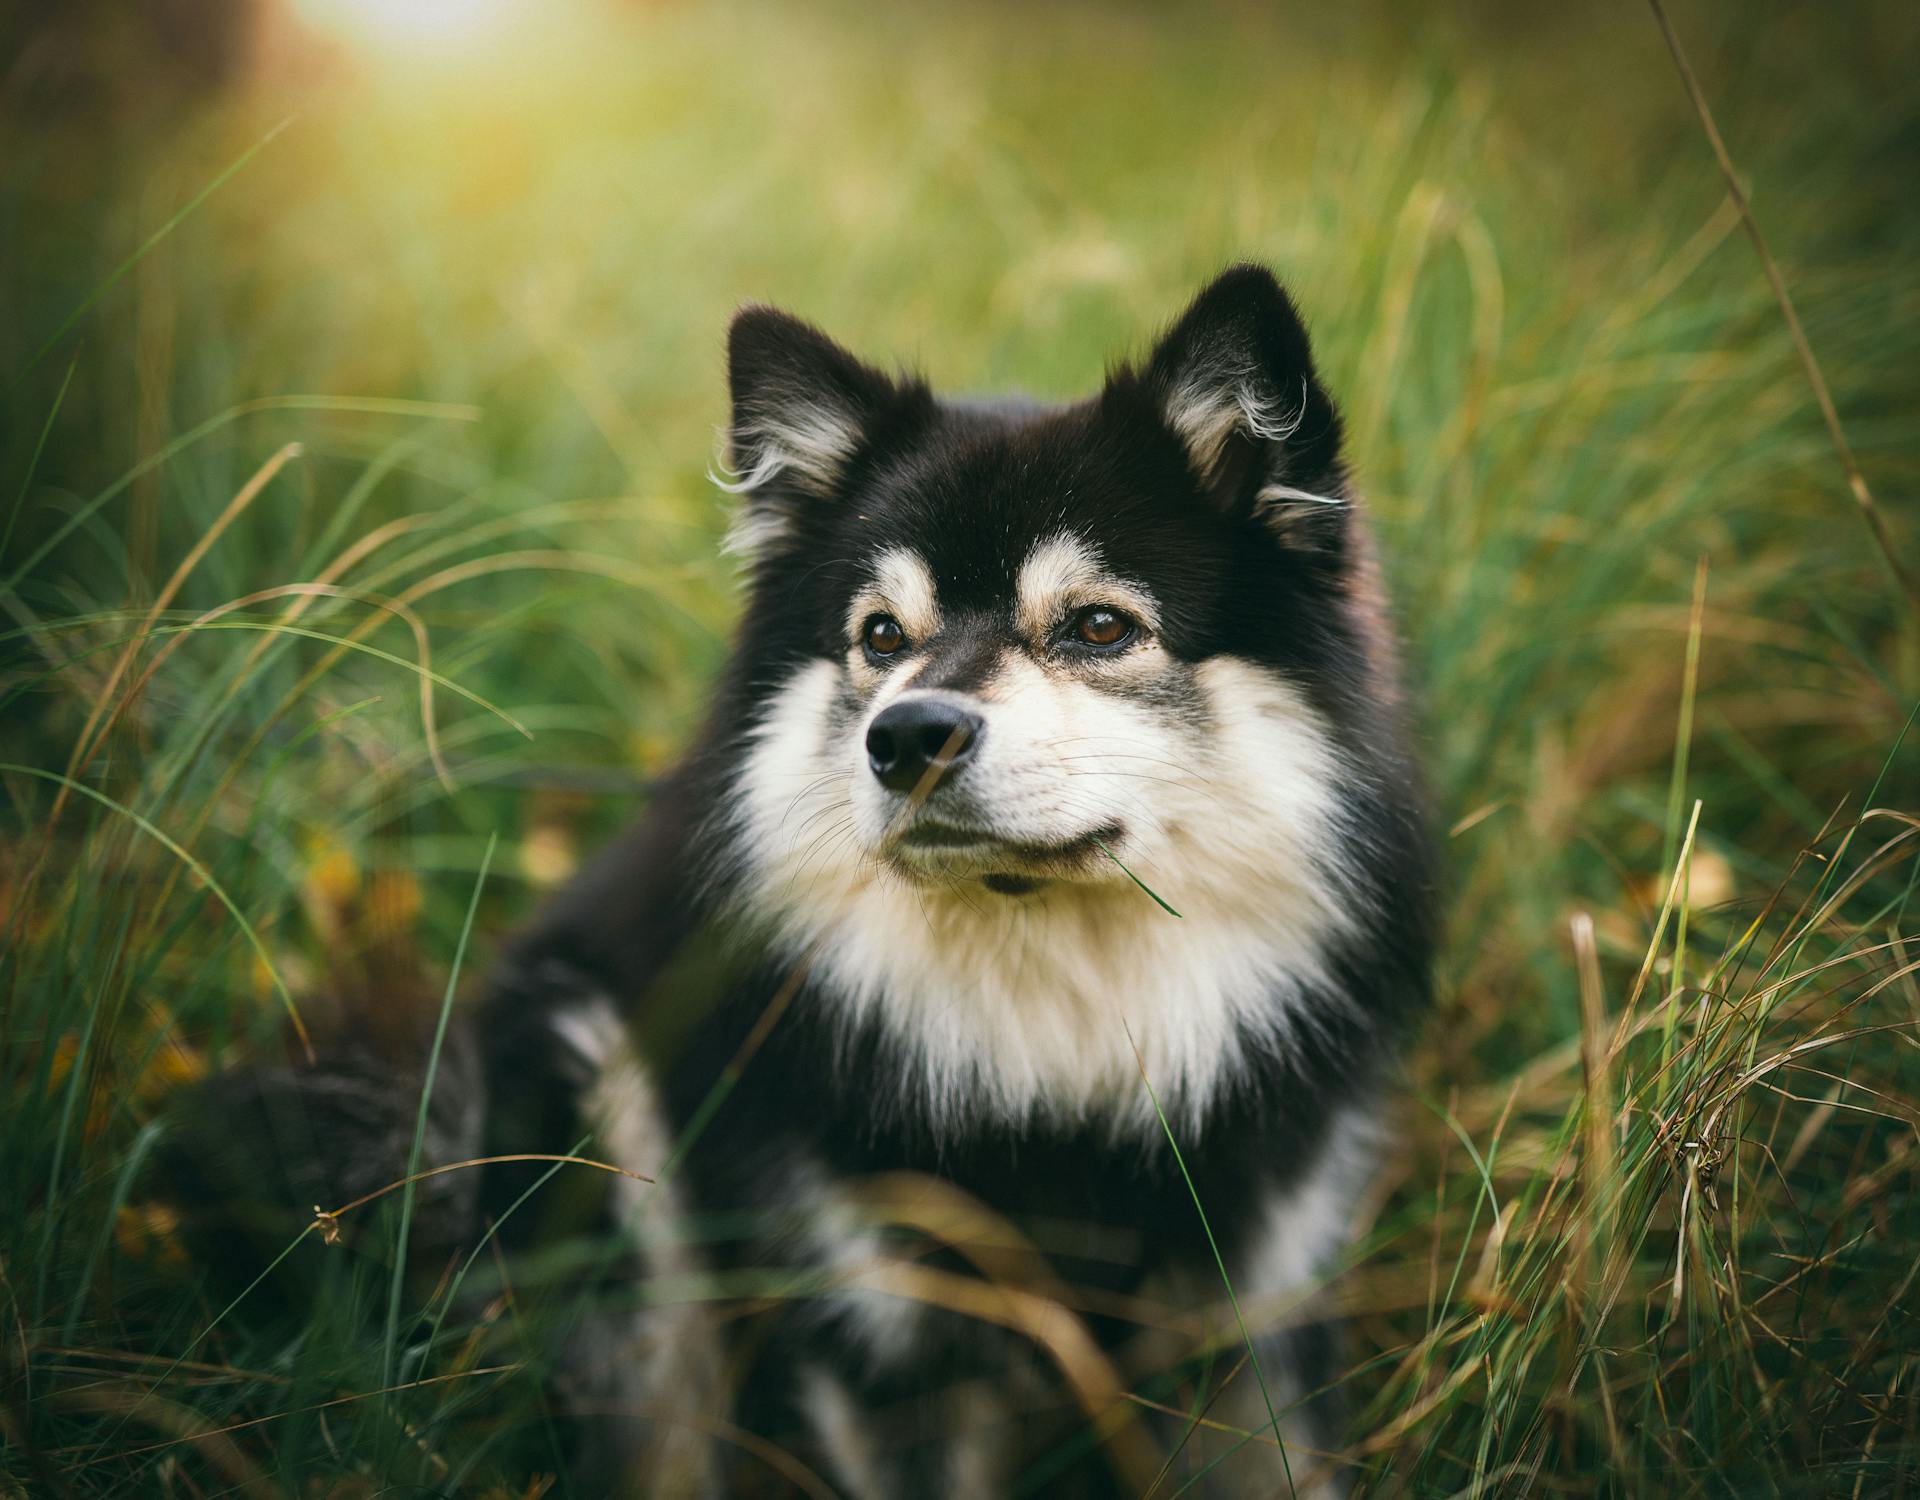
pixel 1594 1055
pixel 305 593
pixel 784 1463
pixel 327 1220
pixel 143 1401
pixel 1856 481
pixel 184 1425
pixel 1010 1263
pixel 1055 1329
pixel 152 831
pixel 86 744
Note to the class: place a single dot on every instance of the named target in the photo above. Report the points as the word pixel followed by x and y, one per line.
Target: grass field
pixel 356 518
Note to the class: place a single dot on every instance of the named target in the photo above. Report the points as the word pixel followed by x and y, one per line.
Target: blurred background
pixel 360 370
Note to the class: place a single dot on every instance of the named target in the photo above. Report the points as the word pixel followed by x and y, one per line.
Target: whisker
pixel 842 804
pixel 1205 791
pixel 804 793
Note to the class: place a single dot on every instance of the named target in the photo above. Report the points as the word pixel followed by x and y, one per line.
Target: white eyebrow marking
pixel 902 585
pixel 1063 573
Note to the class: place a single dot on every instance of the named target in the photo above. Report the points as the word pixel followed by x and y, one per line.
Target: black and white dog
pixel 889 991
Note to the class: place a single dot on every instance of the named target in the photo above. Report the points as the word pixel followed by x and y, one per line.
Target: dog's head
pixel 1006 650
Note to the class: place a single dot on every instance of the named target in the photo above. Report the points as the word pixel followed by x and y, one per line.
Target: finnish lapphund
pixel 1003 994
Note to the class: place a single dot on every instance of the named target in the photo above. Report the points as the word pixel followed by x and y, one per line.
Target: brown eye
pixel 884 635
pixel 1100 626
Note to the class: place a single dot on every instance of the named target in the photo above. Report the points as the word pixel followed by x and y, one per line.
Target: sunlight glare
pixel 415 25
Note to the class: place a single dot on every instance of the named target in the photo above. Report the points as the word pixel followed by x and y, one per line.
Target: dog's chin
pixel 935 853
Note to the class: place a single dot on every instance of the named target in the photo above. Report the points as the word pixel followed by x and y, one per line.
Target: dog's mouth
pixel 1006 866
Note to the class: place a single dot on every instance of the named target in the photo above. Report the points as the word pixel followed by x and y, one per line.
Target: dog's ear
pixel 803 407
pixel 1233 380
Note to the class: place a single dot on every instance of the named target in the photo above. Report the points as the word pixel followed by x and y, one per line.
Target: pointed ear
pixel 1233 380
pixel 803 407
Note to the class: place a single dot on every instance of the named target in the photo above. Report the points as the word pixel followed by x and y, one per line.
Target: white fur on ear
pixel 1288 511
pixel 809 442
pixel 755 529
pixel 1233 381
pixel 804 444
pixel 802 408
pixel 1213 403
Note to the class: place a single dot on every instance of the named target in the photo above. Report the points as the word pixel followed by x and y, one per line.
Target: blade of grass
pixel 1683 730
pixel 275 627
pixel 147 245
pixel 370 405
pixel 79 1067
pixel 85 744
pixel 1158 899
pixel 123 1183
pixel 420 1118
pixel 33 463
pixel 108 1443
pixel 206 876
pixel 1856 481
pixel 1219 1261
pixel 494 1226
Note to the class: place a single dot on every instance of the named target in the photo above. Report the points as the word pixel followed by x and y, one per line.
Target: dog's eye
pixel 1100 626
pixel 883 635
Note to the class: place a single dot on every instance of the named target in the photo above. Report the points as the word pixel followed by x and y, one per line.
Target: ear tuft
pixel 1234 381
pixel 803 407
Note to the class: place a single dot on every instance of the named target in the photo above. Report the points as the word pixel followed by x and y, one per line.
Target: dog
pixel 1003 995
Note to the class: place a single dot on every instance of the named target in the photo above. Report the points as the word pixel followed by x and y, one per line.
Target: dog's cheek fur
pixel 790 804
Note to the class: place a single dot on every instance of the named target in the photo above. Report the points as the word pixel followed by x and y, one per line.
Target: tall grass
pixel 1651 1224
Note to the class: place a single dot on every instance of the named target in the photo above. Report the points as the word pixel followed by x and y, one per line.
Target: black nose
pixel 910 738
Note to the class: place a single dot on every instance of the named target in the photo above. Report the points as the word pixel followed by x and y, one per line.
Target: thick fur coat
pixel 1056 809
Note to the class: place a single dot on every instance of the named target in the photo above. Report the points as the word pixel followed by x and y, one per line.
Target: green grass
pixel 1651 1225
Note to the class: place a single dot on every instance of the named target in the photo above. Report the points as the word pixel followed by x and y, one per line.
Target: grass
pixel 1651 1218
